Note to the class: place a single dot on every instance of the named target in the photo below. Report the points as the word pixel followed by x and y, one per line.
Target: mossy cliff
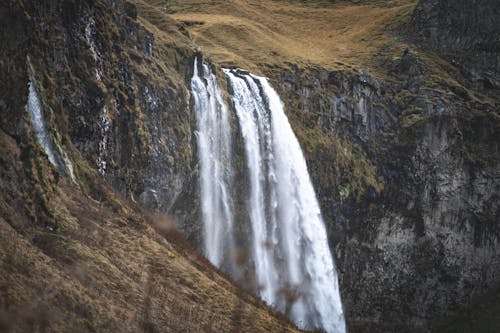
pixel 408 181
pixel 406 169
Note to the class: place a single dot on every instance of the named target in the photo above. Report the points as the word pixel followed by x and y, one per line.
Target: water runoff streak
pixel 294 269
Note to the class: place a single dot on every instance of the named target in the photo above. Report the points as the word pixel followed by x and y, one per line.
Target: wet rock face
pixel 435 244
pixel 23 202
pixel 339 101
pixel 334 105
pixel 118 102
pixel 428 243
pixel 465 31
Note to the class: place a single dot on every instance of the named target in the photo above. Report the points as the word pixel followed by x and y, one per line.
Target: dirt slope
pixel 106 269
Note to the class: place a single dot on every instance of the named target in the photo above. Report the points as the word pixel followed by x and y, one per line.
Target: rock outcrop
pixel 119 98
pixel 416 237
pixel 466 32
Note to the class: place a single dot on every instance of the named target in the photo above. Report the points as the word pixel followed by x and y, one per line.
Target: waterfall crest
pixel 289 252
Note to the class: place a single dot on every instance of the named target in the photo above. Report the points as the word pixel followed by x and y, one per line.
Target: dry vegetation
pixel 260 35
pixel 106 269
pixel 89 260
pixel 250 33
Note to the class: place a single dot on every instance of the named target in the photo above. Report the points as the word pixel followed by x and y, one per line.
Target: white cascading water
pixel 291 244
pixel 56 155
pixel 294 269
pixel 214 150
pixel 34 108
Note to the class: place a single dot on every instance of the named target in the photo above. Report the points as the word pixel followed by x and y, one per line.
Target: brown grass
pixel 106 269
pixel 250 33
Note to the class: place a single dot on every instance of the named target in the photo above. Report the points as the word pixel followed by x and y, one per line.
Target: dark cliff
pixel 466 32
pixel 407 171
pixel 411 188
pixel 405 161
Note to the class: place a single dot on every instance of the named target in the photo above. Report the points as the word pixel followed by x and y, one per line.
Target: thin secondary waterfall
pixel 57 156
pixel 104 126
pixel 289 252
pixel 34 108
pixel 214 150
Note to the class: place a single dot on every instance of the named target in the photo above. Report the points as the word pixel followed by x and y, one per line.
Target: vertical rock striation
pixel 427 242
pixel 466 32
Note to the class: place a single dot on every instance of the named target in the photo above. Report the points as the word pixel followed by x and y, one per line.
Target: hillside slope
pixel 105 269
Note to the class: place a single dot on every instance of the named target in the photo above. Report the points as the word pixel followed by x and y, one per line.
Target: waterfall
pixel 256 134
pixel 289 252
pixel 214 150
pixel 57 156
pixel 34 108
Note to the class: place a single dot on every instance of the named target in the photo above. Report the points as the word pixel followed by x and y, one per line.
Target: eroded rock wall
pixel 116 94
pixel 421 241
pixel 467 32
